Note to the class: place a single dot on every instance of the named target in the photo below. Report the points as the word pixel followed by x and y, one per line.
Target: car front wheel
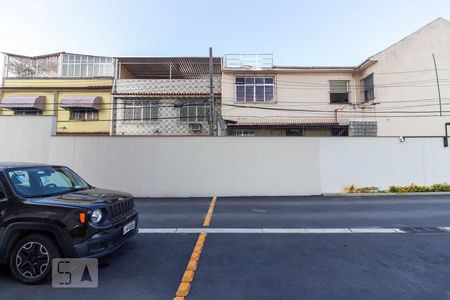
pixel 31 258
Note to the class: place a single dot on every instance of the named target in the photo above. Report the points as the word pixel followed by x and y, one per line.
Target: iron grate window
pixel 27 112
pixel 83 114
pixel 254 89
pixel 195 112
pixel 140 110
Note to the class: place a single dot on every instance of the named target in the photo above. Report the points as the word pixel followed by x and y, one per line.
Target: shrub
pixel 413 188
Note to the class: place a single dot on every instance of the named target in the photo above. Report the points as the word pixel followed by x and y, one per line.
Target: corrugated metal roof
pixel 176 67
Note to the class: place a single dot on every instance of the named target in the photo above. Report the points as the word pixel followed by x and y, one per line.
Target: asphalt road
pixel 276 266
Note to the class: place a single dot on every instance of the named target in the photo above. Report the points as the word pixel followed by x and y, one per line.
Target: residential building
pixel 392 93
pixel 74 88
pixel 166 95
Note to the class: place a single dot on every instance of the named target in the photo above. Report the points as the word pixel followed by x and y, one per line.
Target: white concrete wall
pixel 228 166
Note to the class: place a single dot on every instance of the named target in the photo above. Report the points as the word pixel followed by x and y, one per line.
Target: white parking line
pixel 273 230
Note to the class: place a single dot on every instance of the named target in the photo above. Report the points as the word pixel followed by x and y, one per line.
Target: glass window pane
pixel 240 80
pixel 338 86
pixel 183 114
pixel 268 80
pixel 269 93
pixel 83 70
pixel 259 94
pixel 96 70
pixel 249 94
pixel 259 80
pixel 64 70
pixel 200 113
pixel 240 93
pixel 192 113
pixel 154 111
pixel 207 112
pixel 249 80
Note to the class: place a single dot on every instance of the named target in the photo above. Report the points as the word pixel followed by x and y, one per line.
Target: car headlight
pixel 96 216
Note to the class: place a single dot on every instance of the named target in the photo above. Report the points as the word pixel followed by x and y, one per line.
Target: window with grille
pixel 140 110
pixel 339 91
pixel 195 112
pixel 368 88
pixel 254 89
pixel 28 112
pixel 84 114
pixel 242 132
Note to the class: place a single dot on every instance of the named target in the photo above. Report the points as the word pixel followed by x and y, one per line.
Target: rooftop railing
pixel 254 61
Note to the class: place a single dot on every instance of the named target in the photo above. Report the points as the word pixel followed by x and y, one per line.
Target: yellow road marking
pixel 208 217
pixel 188 276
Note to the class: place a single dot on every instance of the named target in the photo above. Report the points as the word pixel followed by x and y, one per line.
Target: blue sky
pixel 298 32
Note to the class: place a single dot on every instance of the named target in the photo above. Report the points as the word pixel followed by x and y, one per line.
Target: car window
pixel 57 178
pixel 44 181
pixel 2 192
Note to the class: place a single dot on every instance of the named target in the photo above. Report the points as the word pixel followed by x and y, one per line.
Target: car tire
pixel 31 258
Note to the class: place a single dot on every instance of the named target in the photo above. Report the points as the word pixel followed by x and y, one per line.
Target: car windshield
pixel 34 182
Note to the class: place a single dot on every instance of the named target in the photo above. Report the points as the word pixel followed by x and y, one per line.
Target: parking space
pixel 172 212
pixel 147 267
pixel 308 264
pixel 332 212
pixel 324 266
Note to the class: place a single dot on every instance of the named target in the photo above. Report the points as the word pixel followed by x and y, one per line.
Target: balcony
pixel 248 61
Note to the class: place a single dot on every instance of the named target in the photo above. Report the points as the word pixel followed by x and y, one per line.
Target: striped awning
pixel 92 102
pixel 23 102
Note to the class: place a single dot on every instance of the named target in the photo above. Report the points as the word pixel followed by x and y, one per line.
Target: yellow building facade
pixel 80 101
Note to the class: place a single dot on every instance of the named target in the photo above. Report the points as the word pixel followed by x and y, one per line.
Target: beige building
pixel 393 93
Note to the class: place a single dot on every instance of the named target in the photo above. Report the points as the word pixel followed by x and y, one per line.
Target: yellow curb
pixel 188 276
pixel 192 265
pixel 183 289
pixel 195 256
pixel 178 298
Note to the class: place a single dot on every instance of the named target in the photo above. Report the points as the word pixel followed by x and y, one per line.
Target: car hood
pixel 90 198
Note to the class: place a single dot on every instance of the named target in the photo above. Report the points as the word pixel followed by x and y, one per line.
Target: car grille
pixel 121 208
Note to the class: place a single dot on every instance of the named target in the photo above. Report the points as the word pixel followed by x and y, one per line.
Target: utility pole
pixel 438 87
pixel 212 129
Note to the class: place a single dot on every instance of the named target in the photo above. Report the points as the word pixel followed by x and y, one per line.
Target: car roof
pixel 7 165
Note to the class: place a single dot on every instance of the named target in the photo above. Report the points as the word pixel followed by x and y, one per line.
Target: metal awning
pixel 23 102
pixel 92 102
pixel 170 67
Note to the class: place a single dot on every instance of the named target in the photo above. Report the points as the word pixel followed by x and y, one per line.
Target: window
pixel 84 114
pixel 368 88
pixel 86 66
pixel 44 181
pixel 2 192
pixel 195 112
pixel 338 91
pixel 242 132
pixel 27 112
pixel 254 89
pixel 140 110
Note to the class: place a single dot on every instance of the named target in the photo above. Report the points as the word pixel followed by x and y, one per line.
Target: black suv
pixel 48 212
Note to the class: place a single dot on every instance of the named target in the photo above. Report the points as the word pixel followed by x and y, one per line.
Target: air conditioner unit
pixel 195 126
